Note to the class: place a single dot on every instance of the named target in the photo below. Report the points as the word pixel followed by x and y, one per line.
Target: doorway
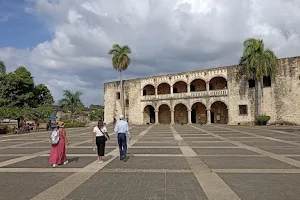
pixel 212 117
pixel 194 116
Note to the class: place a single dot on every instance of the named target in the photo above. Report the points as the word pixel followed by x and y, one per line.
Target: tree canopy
pixel 71 101
pixel 120 59
pixel 19 96
pixel 258 61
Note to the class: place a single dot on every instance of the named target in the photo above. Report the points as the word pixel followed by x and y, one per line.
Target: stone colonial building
pixel 218 95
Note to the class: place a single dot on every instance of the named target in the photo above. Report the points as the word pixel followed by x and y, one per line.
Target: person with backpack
pixel 100 137
pixel 58 140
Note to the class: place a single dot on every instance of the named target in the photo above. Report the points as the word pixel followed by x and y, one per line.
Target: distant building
pixel 206 96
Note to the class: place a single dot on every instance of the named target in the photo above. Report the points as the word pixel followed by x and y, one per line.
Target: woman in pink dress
pixel 58 151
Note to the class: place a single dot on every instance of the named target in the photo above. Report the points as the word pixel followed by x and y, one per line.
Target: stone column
pixel 208 116
pixel 156 92
pixel 189 88
pixel 207 86
pixel 171 88
pixel 156 116
pixel 189 116
pixel 172 116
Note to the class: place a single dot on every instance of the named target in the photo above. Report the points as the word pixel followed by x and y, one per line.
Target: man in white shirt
pixel 121 129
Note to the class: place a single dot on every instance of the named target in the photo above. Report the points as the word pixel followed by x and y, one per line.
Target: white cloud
pixel 165 36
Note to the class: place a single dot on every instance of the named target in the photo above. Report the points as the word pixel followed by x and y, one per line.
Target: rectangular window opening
pixel 251 83
pixel 118 95
pixel 267 81
pixel 243 110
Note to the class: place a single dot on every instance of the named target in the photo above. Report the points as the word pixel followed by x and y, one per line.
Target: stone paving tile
pixel 155 151
pixel 281 150
pixel 4 158
pixel 203 143
pixel 85 150
pixel 155 144
pixel 140 186
pixel 149 163
pixel 22 150
pixel 201 139
pixel 264 186
pixel 27 185
pixel 295 157
pixel 43 162
pixel 223 151
pixel 267 143
pixel 230 162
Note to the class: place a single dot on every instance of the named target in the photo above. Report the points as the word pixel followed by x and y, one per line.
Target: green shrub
pixel 262 120
pixel 5 129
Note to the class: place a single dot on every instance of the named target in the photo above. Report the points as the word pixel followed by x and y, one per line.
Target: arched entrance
pixel 148 90
pixel 180 114
pixel 179 87
pixel 218 83
pixel 149 114
pixel 198 85
pixel 219 112
pixel 164 114
pixel 199 114
pixel 164 88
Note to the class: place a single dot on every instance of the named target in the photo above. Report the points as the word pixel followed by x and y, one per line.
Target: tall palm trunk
pixel 258 97
pixel 122 94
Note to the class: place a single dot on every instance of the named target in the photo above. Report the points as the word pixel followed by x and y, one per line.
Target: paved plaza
pixel 189 162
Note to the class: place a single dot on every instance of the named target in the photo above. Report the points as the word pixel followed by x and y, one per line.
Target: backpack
pixel 54 138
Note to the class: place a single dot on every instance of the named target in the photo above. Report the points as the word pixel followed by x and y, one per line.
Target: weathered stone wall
pixel 287 92
pixel 281 100
pixel 132 101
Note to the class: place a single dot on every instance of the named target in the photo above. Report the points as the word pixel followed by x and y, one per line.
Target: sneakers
pixel 55 165
pixel 101 161
pixel 66 162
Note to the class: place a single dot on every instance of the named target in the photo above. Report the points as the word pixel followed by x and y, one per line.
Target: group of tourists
pixel 59 141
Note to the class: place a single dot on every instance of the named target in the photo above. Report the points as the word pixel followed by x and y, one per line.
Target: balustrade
pixel 211 93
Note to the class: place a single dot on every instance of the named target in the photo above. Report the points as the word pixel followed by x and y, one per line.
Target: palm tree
pixel 256 63
pixel 120 61
pixel 71 101
pixel 2 67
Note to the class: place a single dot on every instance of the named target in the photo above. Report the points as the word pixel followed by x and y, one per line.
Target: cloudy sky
pixel 64 43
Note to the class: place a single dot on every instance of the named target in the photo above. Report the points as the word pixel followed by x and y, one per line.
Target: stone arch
pixel 219 112
pixel 198 85
pixel 218 82
pixel 164 88
pixel 164 114
pixel 180 114
pixel 216 100
pixel 180 87
pixel 148 90
pixel 149 114
pixel 180 102
pixel 199 113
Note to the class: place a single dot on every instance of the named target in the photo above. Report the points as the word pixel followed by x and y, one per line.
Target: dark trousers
pixel 100 142
pixel 122 145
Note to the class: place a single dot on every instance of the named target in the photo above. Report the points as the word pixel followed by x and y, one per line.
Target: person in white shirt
pixel 100 136
pixel 122 129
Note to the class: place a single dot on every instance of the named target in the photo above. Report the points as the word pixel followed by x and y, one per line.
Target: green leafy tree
pixel 72 102
pixel 17 88
pixel 96 115
pixel 42 96
pixel 42 112
pixel 256 63
pixel 120 62
pixel 2 67
pixel 92 106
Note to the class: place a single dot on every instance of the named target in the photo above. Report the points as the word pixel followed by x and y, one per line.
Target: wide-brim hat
pixel 61 124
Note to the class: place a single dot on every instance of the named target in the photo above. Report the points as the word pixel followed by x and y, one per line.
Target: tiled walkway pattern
pixel 189 162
